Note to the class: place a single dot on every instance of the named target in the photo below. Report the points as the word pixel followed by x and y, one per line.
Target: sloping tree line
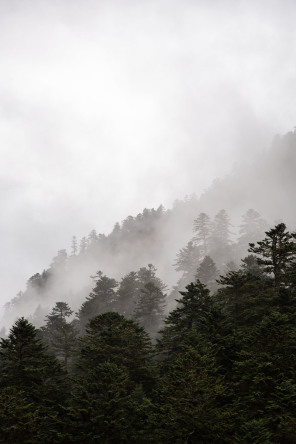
pixel 223 369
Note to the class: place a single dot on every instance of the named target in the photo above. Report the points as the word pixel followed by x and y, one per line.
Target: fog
pixel 108 107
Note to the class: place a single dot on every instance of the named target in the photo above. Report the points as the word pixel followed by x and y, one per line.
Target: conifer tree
pixel 251 229
pixel 187 261
pixel 207 273
pixel 277 254
pixel 61 335
pixel 113 364
pixel 127 293
pixel 149 309
pixel 102 299
pixel 34 383
pixel 202 228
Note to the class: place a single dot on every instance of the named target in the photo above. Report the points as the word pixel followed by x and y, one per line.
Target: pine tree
pixel 101 299
pixel 127 293
pixel 149 309
pixel 188 409
pixel 60 334
pixel 207 273
pixel 277 254
pixel 74 246
pixel 113 363
pixel 187 261
pixel 34 383
pixel 219 243
pixel 251 229
pixel 202 228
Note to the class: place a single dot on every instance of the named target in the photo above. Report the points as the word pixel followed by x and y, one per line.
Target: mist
pixel 107 108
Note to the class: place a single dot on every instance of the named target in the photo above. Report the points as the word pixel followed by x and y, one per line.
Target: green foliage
pixel 61 335
pixel 277 253
pixel 102 299
pixel 114 363
pixel 188 407
pixel 33 385
pixel 207 273
pixel 110 337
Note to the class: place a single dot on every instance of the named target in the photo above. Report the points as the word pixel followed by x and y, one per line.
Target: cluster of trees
pixel 212 251
pixel 222 368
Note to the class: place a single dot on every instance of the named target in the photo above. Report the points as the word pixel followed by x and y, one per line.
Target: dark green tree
pixel 188 407
pixel 33 380
pixel 113 364
pixel 149 309
pixel 277 254
pixel 61 335
pixel 102 299
pixel 113 338
pixel 127 293
pixel 207 273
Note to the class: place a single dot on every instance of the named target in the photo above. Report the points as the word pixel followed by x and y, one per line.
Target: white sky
pixel 107 107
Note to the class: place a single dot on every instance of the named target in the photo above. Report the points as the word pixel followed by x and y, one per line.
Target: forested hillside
pixel 217 226
pixel 222 370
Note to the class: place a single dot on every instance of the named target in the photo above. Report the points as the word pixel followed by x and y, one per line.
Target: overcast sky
pixel 107 107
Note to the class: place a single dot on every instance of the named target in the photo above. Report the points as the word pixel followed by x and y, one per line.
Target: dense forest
pixel 220 369
pixel 177 327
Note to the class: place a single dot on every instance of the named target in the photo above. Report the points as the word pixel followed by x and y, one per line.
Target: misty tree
pixel 251 229
pixel 188 260
pixel 219 241
pixel 59 262
pixel 207 273
pixel 61 335
pixel 74 247
pixel 83 245
pixel 148 274
pixel 250 265
pixel 202 228
pixel 149 308
pixel 127 293
pixel 92 237
pixel 102 298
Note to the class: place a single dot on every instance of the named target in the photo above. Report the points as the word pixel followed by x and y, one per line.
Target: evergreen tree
pixel 127 293
pixel 101 299
pixel 113 338
pixel 202 228
pixel 188 407
pixel 198 322
pixel 251 229
pixel 60 334
pixel 207 273
pixel 277 254
pixel 83 245
pixel 34 383
pixel 113 363
pixel 219 241
pixel 149 309
pixel 74 246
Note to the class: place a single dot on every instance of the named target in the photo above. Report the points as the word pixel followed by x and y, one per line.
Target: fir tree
pixel 101 299
pixel 202 228
pixel 60 334
pixel 207 273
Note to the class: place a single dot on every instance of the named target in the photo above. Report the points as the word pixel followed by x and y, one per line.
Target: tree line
pixel 221 368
